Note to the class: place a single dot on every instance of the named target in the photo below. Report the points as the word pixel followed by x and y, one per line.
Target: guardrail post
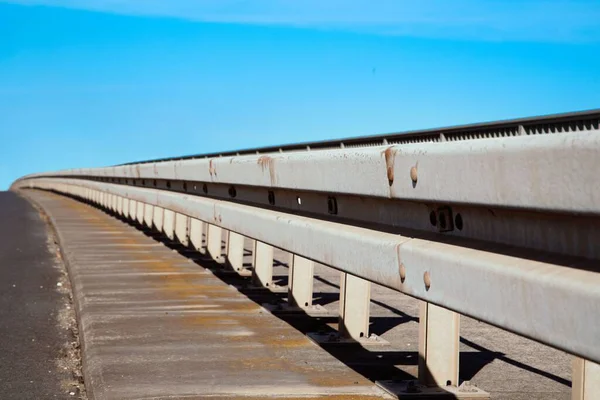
pixel 214 242
pixel 120 205
pixel 113 202
pixel 300 284
pixel 262 274
pixel 439 334
pixel 126 208
pixel 148 215
pixel 182 229
pixel 235 251
pixel 157 218
pixel 133 205
pixel 586 380
pixel 139 215
pixel 355 298
pixel 169 223
pixel 197 234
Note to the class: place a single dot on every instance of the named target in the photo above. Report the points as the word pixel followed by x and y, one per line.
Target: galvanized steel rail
pixel 496 221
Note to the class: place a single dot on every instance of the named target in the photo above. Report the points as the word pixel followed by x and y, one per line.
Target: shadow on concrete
pixel 467 371
pixel 372 364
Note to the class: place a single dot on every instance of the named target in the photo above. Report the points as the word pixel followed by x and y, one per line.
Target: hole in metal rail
pixel 299 200
pixel 332 207
pixel 205 188
pixel 185 186
pixel 458 221
pixel 442 221
pixel 271 197
pixel 433 218
pixel 169 184
pixel 232 192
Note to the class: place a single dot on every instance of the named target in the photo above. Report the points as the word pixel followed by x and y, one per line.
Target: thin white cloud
pixel 527 20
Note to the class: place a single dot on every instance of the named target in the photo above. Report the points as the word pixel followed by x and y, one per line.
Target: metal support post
pixel 439 334
pixel 355 297
pixel 157 218
pixel 197 234
pixel 119 205
pixel 169 223
pixel 148 214
pixel 182 228
pixel 139 215
pixel 214 242
pixel 126 208
pixel 262 275
pixel 132 209
pixel 300 284
pixel 586 380
pixel 235 251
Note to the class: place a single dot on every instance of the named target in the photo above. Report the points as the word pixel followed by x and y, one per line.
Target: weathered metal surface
pixel 439 335
pixel 182 228
pixel 235 251
pixel 552 299
pixel 355 296
pixel 262 274
pixel 214 245
pixel 197 234
pixel 169 223
pixel 586 380
pixel 515 171
pixel 300 282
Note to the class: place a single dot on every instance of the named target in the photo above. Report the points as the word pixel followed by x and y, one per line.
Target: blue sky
pixel 100 82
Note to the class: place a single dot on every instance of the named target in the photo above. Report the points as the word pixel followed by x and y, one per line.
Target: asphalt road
pixel 30 339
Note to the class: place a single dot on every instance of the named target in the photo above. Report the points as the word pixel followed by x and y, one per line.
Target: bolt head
pixel 427 280
pixel 413 174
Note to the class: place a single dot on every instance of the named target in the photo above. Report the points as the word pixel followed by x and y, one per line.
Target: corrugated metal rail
pixel 496 221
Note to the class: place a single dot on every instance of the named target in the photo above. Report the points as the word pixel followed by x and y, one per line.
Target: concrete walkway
pixel 156 325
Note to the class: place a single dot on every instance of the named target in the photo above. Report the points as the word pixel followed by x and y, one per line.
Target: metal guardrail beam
pixel 516 172
pixel 554 300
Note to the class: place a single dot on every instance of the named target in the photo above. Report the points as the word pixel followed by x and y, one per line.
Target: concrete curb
pixel 74 289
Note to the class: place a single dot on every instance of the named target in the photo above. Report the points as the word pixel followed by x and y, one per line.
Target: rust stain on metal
pixel 265 163
pixel 390 156
pixel 401 267
pixel 215 214
pixel 137 171
pixel 402 271
pixel 413 173
pixel 212 170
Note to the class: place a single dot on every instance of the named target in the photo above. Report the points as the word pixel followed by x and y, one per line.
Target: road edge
pixel 50 222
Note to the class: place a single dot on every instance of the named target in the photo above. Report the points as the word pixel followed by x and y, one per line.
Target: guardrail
pixel 496 221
